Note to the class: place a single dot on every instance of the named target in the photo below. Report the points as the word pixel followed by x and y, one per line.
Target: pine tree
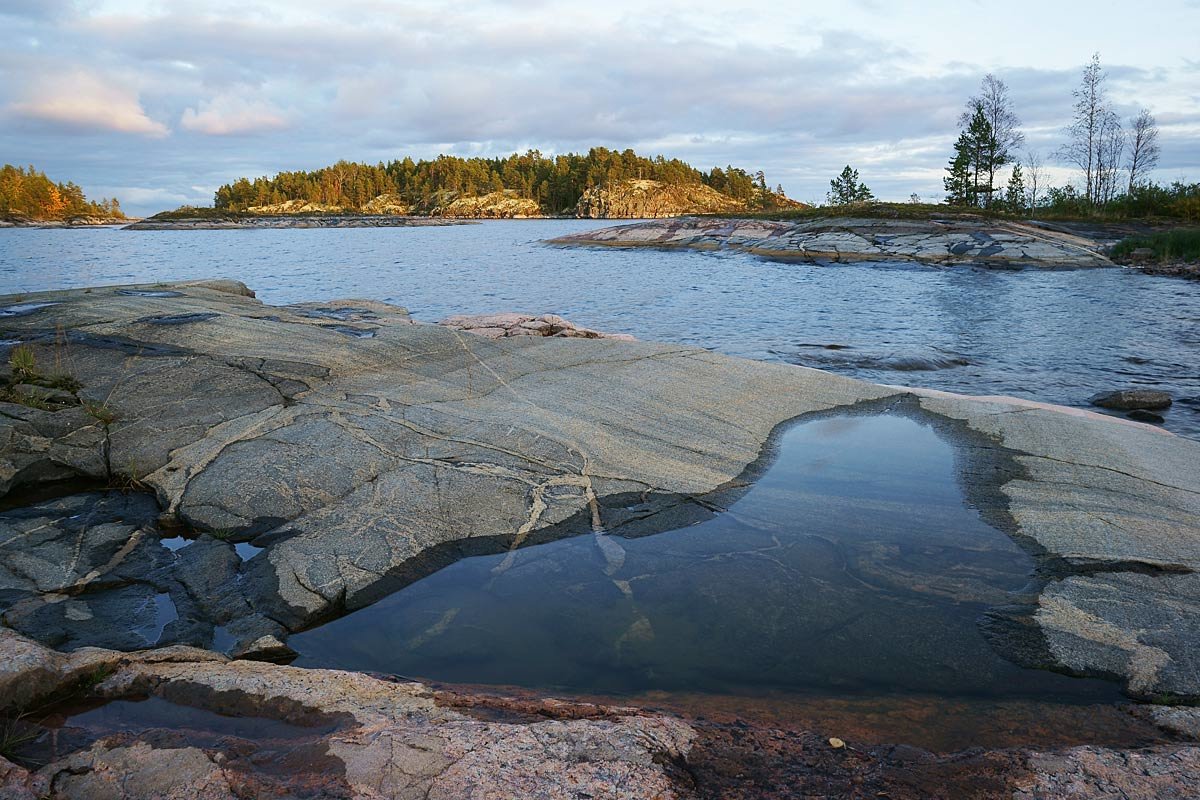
pixel 958 183
pixel 970 179
pixel 1015 197
pixel 846 189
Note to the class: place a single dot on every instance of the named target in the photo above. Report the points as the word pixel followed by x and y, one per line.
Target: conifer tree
pixel 846 188
pixel 1014 198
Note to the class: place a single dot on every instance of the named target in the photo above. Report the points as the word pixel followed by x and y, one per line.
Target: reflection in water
pixel 852 566
pixel 1054 336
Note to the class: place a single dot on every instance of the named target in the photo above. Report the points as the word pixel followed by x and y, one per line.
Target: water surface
pixel 852 566
pixel 1053 336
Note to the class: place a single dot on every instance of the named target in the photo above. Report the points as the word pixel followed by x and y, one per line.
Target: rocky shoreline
pixel 284 221
pixel 950 242
pixel 75 222
pixel 355 451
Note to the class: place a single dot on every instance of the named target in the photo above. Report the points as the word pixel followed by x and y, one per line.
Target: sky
pixel 158 103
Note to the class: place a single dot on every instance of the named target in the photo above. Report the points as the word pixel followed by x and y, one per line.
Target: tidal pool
pixel 852 566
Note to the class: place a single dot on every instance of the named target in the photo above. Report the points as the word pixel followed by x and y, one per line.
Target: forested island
pixel 27 196
pixel 601 183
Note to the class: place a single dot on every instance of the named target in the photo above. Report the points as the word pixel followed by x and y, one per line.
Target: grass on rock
pixel 1168 246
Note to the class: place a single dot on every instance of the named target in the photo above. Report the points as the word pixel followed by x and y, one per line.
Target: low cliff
pixel 506 204
pixel 642 199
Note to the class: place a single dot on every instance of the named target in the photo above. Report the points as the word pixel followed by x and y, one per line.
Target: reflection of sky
pixel 159 103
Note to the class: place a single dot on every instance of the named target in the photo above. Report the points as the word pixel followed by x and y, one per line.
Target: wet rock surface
pixel 179 722
pixel 997 244
pixel 217 729
pixel 361 463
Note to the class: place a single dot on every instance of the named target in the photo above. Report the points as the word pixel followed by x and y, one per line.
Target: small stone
pixel 1139 415
pixel 265 648
pixel 42 394
pixel 1128 399
pixel 836 743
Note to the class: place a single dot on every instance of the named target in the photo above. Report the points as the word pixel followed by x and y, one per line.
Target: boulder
pixel 509 323
pixel 1129 399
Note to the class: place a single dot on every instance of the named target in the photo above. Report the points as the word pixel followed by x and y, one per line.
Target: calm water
pixel 1053 336
pixel 851 567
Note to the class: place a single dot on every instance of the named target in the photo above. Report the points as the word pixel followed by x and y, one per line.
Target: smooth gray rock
pixel 363 463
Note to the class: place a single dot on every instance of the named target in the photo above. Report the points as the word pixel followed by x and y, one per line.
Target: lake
pixel 1056 336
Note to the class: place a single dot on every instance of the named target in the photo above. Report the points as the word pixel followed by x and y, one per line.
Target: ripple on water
pixel 1053 336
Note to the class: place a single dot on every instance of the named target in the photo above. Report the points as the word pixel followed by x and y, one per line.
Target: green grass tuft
pixel 1177 245
pixel 23 363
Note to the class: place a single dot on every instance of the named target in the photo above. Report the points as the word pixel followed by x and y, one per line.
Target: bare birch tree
pixel 1035 178
pixel 1110 149
pixel 1143 147
pixel 1091 102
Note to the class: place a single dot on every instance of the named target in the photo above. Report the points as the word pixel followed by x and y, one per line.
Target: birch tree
pixel 1143 147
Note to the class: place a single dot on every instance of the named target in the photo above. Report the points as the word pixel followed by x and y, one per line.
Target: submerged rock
pixel 1128 399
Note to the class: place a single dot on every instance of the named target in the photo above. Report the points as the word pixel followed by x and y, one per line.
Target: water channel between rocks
pixel 851 572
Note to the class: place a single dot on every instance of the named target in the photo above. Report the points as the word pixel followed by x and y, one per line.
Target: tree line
pixel 27 192
pixel 1114 158
pixel 555 182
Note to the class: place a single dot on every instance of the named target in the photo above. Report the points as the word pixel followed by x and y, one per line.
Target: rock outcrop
pixel 362 451
pixel 498 326
pixel 1127 399
pixel 296 207
pixel 996 244
pixel 218 730
pixel 210 221
pixel 387 203
pixel 347 735
pixel 646 199
pixel 504 204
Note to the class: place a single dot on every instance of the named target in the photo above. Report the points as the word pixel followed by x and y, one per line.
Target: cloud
pixel 84 101
pixel 233 113
pixel 796 90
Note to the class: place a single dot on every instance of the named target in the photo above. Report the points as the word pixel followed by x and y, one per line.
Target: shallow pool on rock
pixel 852 566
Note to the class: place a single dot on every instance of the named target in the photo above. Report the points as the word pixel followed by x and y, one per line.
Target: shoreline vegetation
pixel 601 182
pixel 29 197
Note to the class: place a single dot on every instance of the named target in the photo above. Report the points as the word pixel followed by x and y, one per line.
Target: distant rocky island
pixel 28 198
pixel 603 184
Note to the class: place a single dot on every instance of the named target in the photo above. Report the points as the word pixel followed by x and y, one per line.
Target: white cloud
pixel 233 113
pixel 83 100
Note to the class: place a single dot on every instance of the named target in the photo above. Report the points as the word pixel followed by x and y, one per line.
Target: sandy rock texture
pixel 997 244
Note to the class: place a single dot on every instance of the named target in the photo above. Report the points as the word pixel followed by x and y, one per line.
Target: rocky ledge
pixel 319 456
pixel 293 220
pixel 509 323
pixel 73 222
pixel 996 244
